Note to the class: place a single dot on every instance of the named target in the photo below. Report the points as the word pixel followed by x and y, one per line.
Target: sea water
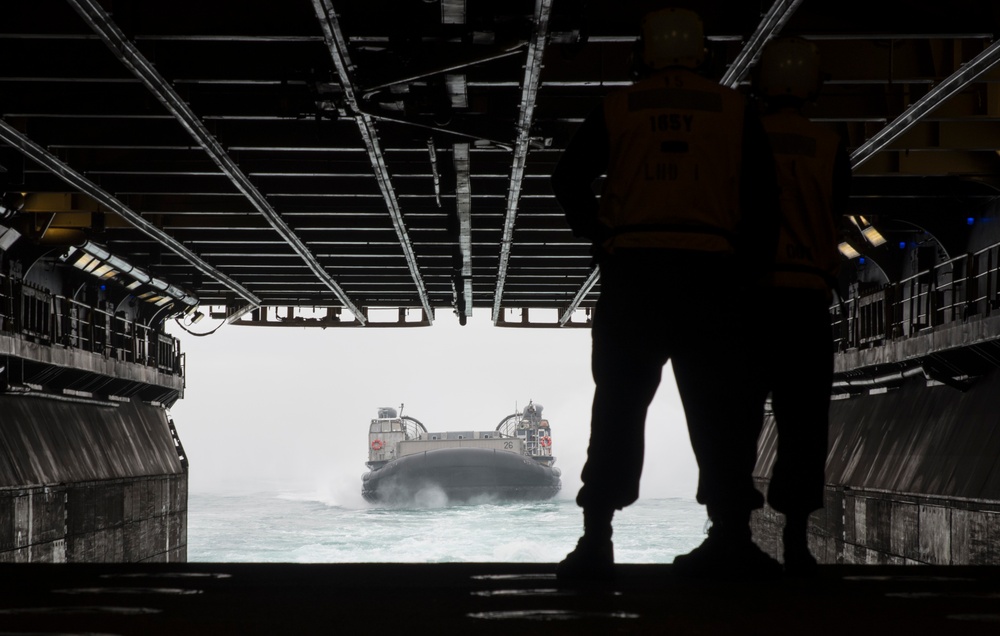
pixel 303 527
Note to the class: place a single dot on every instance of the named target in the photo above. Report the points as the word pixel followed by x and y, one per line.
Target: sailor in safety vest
pixel 796 352
pixel 686 219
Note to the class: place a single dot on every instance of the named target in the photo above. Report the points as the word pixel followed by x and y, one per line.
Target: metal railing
pixel 956 290
pixel 51 319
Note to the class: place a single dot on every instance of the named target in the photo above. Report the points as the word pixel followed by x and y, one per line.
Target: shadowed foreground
pixel 492 598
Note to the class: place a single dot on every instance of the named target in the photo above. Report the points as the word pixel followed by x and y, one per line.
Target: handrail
pixel 35 313
pixel 953 291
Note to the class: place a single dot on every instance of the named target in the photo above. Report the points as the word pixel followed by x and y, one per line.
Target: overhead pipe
pixel 336 43
pixel 881 380
pixel 100 22
pixel 367 93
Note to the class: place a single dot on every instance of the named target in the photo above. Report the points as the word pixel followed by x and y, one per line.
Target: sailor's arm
pixel 584 160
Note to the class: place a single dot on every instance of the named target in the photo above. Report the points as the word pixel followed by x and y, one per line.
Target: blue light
pixel 902 245
pixel 970 220
pixel 862 260
pixel 103 287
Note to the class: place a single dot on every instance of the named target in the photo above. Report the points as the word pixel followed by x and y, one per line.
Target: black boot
pixel 593 559
pixel 728 553
pixel 798 560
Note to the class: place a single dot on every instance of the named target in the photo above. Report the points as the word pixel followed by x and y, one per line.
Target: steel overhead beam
pixel 923 106
pixel 337 45
pixel 772 23
pixel 100 22
pixel 529 92
pixel 463 205
pixel 595 275
pixel 49 161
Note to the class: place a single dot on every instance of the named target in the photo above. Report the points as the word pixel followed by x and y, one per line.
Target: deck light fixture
pixel 848 250
pixel 873 236
pixel 97 261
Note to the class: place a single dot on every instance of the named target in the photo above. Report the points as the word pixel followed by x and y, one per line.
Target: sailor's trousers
pixel 657 306
pixel 795 351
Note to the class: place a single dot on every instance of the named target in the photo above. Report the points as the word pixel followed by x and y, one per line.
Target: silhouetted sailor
pixel 797 354
pixel 686 218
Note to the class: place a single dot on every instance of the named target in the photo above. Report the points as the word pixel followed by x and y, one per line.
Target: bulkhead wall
pixel 82 482
pixel 912 477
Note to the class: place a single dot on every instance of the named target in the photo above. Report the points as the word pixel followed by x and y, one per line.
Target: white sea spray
pixel 306 526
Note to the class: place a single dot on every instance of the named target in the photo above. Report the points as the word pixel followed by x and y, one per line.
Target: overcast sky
pixel 289 407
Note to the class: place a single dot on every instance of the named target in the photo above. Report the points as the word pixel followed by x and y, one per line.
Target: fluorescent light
pixel 102 270
pixel 847 250
pixel 83 261
pixel 872 236
pixel 97 260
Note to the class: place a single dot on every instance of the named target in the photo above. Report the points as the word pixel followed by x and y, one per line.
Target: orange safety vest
pixel 675 143
pixel 804 154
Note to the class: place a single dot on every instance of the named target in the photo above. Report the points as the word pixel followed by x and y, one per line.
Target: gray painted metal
pixel 337 45
pixel 916 439
pixel 52 442
pixel 529 92
pixel 98 20
pixel 595 275
pixel 949 87
pixel 772 23
pixel 47 160
pixel 125 520
pixel 463 204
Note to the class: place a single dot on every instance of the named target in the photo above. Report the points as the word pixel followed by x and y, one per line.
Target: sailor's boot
pixel 798 560
pixel 593 559
pixel 728 553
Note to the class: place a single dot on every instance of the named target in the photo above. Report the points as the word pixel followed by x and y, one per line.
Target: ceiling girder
pixel 337 45
pixel 769 26
pixel 588 285
pixel 463 205
pixel 951 85
pixel 529 93
pixel 45 158
pixel 98 20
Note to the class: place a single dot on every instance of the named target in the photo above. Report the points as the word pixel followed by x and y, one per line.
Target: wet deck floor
pixel 227 598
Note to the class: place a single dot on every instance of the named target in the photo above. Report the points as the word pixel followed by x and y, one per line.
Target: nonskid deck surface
pixel 486 598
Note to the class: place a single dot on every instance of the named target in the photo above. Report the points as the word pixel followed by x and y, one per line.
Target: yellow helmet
pixel 789 67
pixel 672 37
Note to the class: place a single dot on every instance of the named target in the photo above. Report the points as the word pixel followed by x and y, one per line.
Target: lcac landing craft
pixel 512 462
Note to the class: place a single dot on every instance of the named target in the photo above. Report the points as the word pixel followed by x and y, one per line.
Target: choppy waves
pixel 313 527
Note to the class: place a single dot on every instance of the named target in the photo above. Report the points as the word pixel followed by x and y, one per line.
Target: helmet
pixel 789 67
pixel 672 37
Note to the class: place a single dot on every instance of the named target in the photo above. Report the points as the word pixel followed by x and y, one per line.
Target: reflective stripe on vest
pixel 805 154
pixel 675 144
